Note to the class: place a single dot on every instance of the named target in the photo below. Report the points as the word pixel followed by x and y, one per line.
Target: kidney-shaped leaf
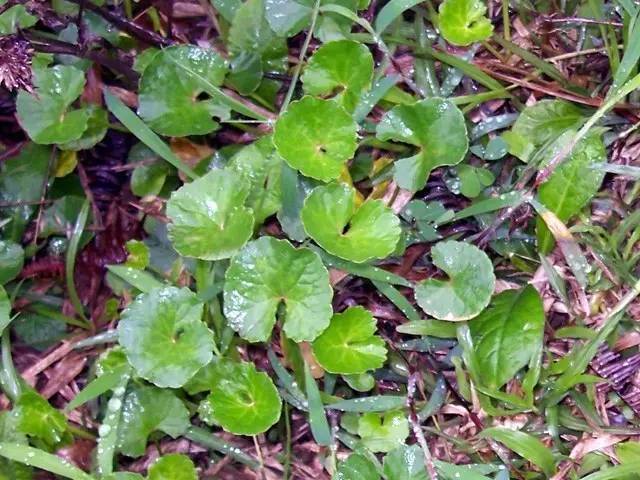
pixel 208 217
pixel 356 467
pixel 348 345
pixel 331 218
pixel 383 432
pixel 469 287
pixel 507 334
pixel 462 22
pixel 46 115
pixel 173 467
pixel 436 127
pixel 268 272
pixel 163 336
pixel 343 68
pixel 242 400
pixel 169 97
pixel 316 137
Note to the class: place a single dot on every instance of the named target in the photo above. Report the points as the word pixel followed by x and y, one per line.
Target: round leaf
pixel 462 22
pixel 356 467
pixel 507 334
pixel 268 272
pixel 344 67
pixel 436 127
pixel 383 432
pixel 164 337
pixel 45 114
pixel 469 287
pixel 169 96
pixel 208 217
pixel 173 467
pixel 349 345
pixel 331 218
pixel 316 137
pixel 242 400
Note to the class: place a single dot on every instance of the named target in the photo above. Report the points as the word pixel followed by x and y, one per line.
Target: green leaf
pixel 10 470
pixel 405 463
pixel 391 11
pixel 507 334
pixel 39 331
pixel 168 99
pixel 11 260
pixel 316 137
pixel 164 337
pixel 5 310
pixel 268 272
pixel 572 185
pixel 173 467
pixel 97 387
pixel 349 345
pixel 469 287
pixel 97 125
pixel 288 17
pixel 208 217
pixel 547 120
pixel 45 114
pixel 43 460
pixel 331 218
pixel 15 18
pixel 436 127
pixel 36 418
pixel 473 180
pixel 261 166
pixel 243 400
pixel 149 176
pixel 356 467
pixel 317 417
pixel 462 22
pixel 147 409
pixel 525 445
pixel 376 403
pixel 383 432
pixel 342 69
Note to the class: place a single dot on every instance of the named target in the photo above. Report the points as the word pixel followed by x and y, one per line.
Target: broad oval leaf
pixel 316 137
pixel 46 114
pixel 168 98
pixel 356 467
pixel 331 218
pixel 163 336
pixel 547 120
pixel 147 409
pixel 173 467
pixel 11 260
pixel 405 463
pixel 349 345
pixel 469 287
pixel 243 400
pixel 507 334
pixel 572 185
pixel 462 22
pixel 383 432
pixel 208 217
pixel 268 272
pixel 343 68
pixel 437 127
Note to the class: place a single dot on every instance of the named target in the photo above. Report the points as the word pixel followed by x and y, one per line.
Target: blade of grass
pixel 10 379
pixel 108 431
pixel 43 460
pixel 138 128
pixel 97 387
pixel 70 263
pixel 210 440
pixel 317 418
pixel 371 98
pixel 391 11
pixel 143 281
pixel 376 403
pixel 398 300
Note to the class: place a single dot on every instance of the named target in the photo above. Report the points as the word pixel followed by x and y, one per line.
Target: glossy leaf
pixel 268 272
pixel 11 261
pixel 243 400
pixel 317 418
pixel 463 22
pixel 316 137
pixel 473 180
pixel 349 345
pixel 436 127
pixel 164 337
pixel 342 69
pixel 356 467
pixel 469 287
pixel 572 185
pixel 168 98
pixel 36 418
pixel 376 403
pixel 331 218
pixel 208 217
pixel 148 409
pixel 149 176
pixel 15 18
pixel 12 470
pixel 525 445
pixel 507 334
pixel 547 120
pixel 46 114
pixel 40 459
pixel 97 125
pixel 288 17
pixel 383 432
pixel 405 463
pixel 173 467
pixel 5 310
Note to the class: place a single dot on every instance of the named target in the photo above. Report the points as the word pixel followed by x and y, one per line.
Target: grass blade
pixel 143 281
pixel 70 263
pixel 398 300
pixel 143 133
pixel 317 418
pixel 108 431
pixel 391 11
pixel 376 403
pixel 97 387
pixel 211 440
pixel 42 460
